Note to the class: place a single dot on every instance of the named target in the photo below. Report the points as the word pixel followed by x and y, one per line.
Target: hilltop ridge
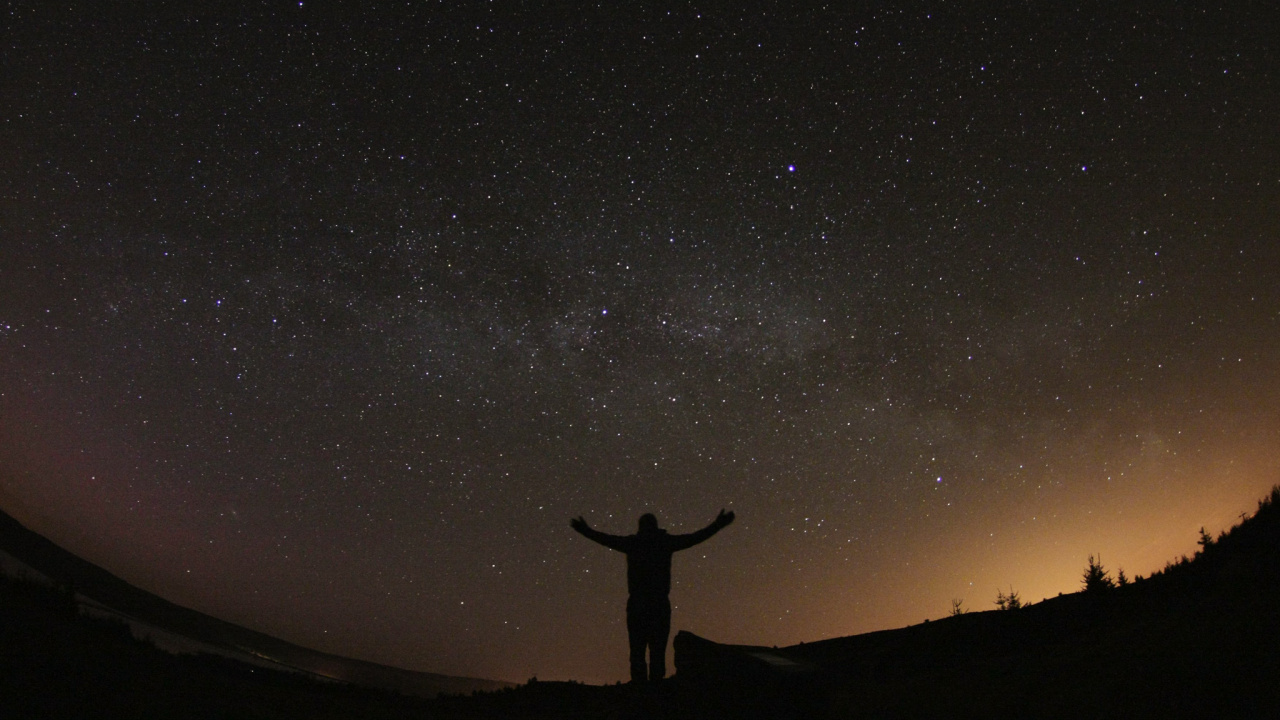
pixel 99 593
pixel 1203 633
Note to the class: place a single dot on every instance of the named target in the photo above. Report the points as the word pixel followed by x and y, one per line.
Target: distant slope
pixel 108 595
pixel 56 663
pixel 1201 637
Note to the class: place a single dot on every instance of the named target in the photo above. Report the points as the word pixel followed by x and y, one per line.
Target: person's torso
pixel 649 565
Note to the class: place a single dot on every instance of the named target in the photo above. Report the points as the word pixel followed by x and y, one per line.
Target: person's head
pixel 648 522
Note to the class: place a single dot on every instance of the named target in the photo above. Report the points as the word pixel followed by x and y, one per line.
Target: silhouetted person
pixel 649 583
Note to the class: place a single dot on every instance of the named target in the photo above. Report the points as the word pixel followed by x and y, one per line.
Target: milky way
pixel 327 324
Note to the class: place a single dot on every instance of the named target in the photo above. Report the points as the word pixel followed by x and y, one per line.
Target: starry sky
pixel 326 322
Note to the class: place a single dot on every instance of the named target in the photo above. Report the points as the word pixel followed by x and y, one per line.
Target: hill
pixel 57 662
pixel 1201 637
pixel 98 593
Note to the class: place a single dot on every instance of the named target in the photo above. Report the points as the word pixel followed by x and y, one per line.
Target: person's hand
pixel 724 518
pixel 579 523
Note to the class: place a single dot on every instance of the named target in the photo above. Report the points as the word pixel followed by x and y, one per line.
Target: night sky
pixel 327 323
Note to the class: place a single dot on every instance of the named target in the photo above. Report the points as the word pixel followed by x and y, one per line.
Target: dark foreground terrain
pixel 1199 639
pixel 95 591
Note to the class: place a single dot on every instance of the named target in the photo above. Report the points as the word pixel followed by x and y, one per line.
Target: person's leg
pixel 637 637
pixel 659 630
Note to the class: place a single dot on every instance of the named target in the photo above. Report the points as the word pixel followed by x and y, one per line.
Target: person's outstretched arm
pixel 613 542
pixel 687 541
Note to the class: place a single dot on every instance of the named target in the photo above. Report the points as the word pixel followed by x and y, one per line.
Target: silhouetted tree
pixel 1121 578
pixel 1008 602
pixel 1205 541
pixel 957 607
pixel 1096 577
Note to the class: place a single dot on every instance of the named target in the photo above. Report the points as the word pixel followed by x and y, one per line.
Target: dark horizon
pixel 324 324
pixel 1191 639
